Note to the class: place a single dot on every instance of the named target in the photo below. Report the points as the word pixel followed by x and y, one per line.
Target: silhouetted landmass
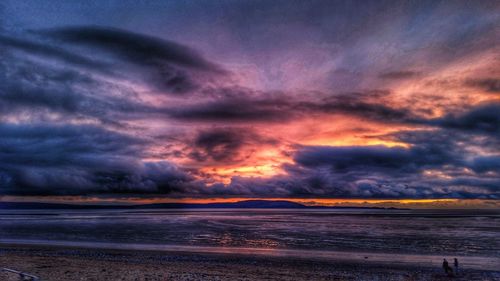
pixel 247 204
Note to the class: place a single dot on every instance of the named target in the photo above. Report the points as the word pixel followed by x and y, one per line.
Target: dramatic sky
pixel 250 99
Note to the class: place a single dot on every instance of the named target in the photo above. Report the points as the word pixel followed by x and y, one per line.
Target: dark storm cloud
pixel 491 85
pixel 43 85
pixel 138 48
pixel 116 54
pixel 369 162
pixel 234 109
pixel 486 164
pixel 42 160
pixel 386 172
pixel 34 156
pixel 248 108
pixel 2 16
pixel 38 90
pixel 52 52
pixel 354 105
pixel 226 145
pixel 481 119
pixel 218 145
pixel 170 63
pixel 57 80
pixel 147 177
pixel 342 158
pixel 23 144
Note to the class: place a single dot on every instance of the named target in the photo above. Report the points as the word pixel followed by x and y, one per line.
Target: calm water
pixel 406 232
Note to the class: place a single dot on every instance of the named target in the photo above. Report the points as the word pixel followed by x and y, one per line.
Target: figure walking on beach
pixel 455 263
pixel 446 267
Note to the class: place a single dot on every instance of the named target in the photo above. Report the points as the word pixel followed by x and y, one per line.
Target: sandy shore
pixel 62 263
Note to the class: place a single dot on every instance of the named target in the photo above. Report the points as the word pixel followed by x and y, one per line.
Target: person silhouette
pixel 455 263
pixel 446 267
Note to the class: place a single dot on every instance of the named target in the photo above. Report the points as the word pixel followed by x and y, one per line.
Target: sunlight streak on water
pixel 407 232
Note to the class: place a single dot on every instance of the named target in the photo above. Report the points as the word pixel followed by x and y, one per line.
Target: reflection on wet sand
pixel 483 263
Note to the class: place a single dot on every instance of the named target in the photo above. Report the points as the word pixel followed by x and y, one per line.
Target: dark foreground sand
pixel 87 264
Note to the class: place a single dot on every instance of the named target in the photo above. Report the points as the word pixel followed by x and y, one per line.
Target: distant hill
pixel 247 204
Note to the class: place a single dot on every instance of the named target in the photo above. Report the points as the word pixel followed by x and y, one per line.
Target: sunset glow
pixel 351 104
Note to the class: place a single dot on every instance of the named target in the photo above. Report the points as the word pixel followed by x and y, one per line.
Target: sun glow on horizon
pixel 428 203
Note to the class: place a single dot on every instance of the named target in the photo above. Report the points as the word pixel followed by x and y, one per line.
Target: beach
pixel 241 245
pixel 73 263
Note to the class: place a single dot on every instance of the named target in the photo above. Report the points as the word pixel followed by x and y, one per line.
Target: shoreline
pixel 474 262
pixel 76 263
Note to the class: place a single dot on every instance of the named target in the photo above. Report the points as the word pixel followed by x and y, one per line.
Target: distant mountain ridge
pixel 246 204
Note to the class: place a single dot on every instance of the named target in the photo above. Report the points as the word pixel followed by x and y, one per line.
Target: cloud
pixel 41 81
pixel 486 164
pixel 95 110
pixel 39 91
pixel 137 48
pixel 355 105
pixel 234 110
pixel 397 75
pixel 35 156
pixel 248 106
pixel 217 144
pixel 345 158
pixel 169 65
pixel 484 118
pixel 227 145
pixel 432 167
pixel 52 52
pixel 56 160
pixel 490 85
pixel 74 94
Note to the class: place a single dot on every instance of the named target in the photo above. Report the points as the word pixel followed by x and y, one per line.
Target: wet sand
pixel 473 262
pixel 72 263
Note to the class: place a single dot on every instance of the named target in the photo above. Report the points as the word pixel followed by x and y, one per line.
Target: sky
pixel 314 101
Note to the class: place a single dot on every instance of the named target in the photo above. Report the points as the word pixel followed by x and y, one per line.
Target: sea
pixel 391 235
